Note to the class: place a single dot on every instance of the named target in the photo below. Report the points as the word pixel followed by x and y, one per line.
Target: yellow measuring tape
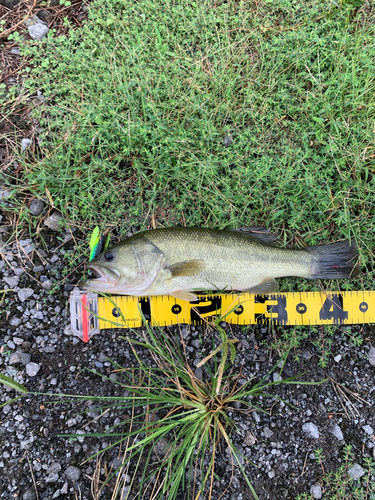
pixel 304 308
pixel 90 313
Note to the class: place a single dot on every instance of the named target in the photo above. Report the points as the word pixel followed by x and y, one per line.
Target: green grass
pixel 189 415
pixel 139 100
pixel 338 485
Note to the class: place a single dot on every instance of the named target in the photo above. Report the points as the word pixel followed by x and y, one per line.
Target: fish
pixel 179 261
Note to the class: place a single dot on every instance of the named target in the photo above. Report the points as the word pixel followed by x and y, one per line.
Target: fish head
pixel 128 268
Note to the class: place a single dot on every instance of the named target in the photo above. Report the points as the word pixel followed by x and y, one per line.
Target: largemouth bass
pixel 178 261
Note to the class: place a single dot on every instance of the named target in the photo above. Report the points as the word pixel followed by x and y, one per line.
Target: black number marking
pixel 204 307
pixel 116 312
pixel 239 310
pixel 363 307
pixel 333 309
pixel 279 309
pixel 176 308
pixel 301 308
pixel 145 307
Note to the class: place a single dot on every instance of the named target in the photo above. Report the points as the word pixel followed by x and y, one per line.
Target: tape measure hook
pixel 84 320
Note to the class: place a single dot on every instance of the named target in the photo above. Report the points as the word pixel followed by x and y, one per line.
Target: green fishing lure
pixel 98 243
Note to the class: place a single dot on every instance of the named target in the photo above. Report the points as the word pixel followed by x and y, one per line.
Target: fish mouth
pixel 104 278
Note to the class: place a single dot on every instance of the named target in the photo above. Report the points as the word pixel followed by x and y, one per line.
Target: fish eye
pixel 109 256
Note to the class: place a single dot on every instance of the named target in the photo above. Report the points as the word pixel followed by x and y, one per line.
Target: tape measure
pixel 90 313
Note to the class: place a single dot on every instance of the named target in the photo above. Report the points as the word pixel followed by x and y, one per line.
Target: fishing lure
pixel 98 243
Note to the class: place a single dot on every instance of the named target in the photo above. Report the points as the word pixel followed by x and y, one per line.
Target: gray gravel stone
pixel 4 194
pixel 228 140
pixel 24 294
pixel 54 468
pixel 32 369
pixel 316 491
pixel 72 473
pixel 267 432
pixel 54 221
pixel 338 358
pixel 336 431
pixel 38 315
pixel 22 358
pixel 52 478
pixel 16 51
pixel 29 248
pixel 311 430
pixel 38 31
pixel 368 429
pixel 161 448
pixel 12 281
pixel 371 356
pixel 25 143
pixel 29 494
pixel 47 284
pixel 36 207
pixel 356 471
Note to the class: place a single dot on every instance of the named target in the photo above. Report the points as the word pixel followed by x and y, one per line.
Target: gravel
pixel 41 353
pixel 311 430
pixel 32 369
pixel 25 143
pixel 36 207
pixel 356 471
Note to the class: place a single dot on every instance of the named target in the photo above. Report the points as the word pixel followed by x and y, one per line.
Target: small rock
pixel 52 478
pixel 356 471
pixel 276 377
pixel 336 431
pixel 368 429
pixel 228 140
pixel 25 242
pixel 28 249
pixel 24 294
pixel 4 194
pixel 18 340
pixel 25 143
pixel 316 491
pixel 38 31
pixel 32 369
pixel 38 269
pixel 22 358
pixel 161 448
pixel 15 321
pixel 15 51
pixel 54 468
pixel 36 207
pixel 311 430
pixel 47 285
pixel 255 416
pixel 249 439
pixel 72 473
pixel 337 358
pixel 64 489
pixel 32 21
pixel 38 315
pixel 54 221
pixel 271 474
pixel 12 281
pixel 29 494
pixel 267 432
pixel 371 356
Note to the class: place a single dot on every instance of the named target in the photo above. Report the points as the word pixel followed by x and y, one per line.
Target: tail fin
pixel 335 260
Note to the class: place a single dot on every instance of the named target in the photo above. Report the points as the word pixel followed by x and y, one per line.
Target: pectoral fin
pixel 186 268
pixel 182 295
pixel 268 285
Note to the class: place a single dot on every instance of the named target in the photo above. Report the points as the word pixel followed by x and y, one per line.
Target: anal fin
pixel 184 295
pixel 268 285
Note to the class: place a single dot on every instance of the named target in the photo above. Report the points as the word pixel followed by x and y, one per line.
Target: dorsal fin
pixel 259 233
